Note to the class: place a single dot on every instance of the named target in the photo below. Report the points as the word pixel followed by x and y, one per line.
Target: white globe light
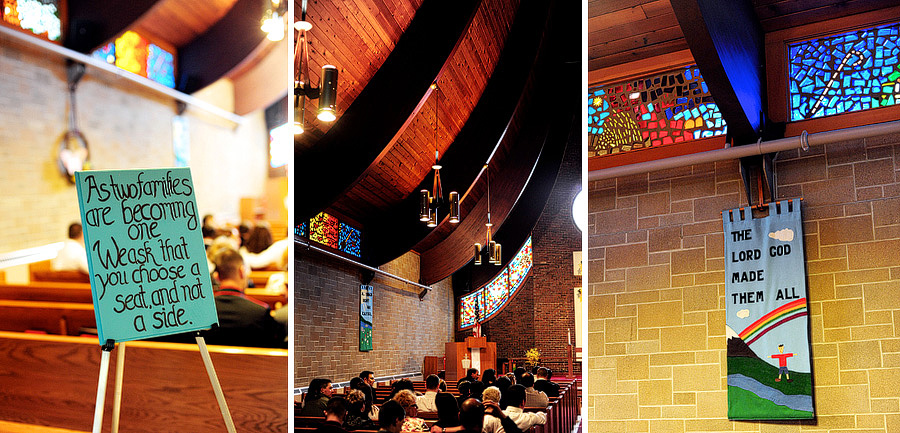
pixel 579 210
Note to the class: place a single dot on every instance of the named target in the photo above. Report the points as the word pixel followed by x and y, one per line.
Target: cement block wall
pixel 656 358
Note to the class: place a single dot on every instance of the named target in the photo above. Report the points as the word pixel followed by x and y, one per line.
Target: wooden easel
pixel 120 371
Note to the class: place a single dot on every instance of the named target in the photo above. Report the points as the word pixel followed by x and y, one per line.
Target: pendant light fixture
pixel 431 201
pixel 326 93
pixel 493 249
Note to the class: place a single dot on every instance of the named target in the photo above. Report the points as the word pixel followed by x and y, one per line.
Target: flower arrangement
pixel 534 357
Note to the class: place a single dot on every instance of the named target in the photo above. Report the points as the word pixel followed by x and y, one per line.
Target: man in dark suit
pixel 543 383
pixel 243 321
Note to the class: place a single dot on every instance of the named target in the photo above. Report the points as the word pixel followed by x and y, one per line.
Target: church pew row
pixel 52 381
pixel 56 291
pixel 61 318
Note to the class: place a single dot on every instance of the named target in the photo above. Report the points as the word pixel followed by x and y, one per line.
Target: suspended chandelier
pixel 490 248
pixel 431 201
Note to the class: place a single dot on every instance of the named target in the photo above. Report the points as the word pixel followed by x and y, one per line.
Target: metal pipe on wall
pixel 802 141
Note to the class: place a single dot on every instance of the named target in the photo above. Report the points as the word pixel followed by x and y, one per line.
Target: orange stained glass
pixel 11 12
pixel 131 53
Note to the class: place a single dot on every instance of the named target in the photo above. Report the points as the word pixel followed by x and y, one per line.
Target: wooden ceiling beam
pixel 728 46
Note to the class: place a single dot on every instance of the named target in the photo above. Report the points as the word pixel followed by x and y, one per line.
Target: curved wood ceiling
pixel 356 37
pixel 181 21
pixel 399 171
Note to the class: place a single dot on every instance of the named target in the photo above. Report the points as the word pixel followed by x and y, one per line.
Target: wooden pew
pixel 56 291
pixel 62 318
pixel 41 271
pixel 52 381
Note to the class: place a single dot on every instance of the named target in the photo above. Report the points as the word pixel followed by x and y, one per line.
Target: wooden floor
pixel 14 427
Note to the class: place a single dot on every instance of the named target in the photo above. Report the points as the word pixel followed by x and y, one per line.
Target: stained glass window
pixel 469 308
pixel 493 296
pixel 324 229
pixel 349 241
pixel 851 71
pixel 40 17
pixel 662 109
pixel 134 53
pixel 519 267
pixel 302 229
pixel 496 293
pixel 160 66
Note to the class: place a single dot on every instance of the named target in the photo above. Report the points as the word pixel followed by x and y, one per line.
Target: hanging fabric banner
pixel 769 374
pixel 365 317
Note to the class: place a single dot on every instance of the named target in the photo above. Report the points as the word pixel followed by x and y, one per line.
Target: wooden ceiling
pixel 625 31
pixel 355 36
pixel 178 22
pixel 501 49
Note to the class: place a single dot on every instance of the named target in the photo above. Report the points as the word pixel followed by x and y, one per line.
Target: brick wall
pixel 126 127
pixel 326 325
pixel 656 301
pixel 543 310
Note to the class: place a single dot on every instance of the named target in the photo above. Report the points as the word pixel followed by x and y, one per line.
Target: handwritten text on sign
pixel 148 268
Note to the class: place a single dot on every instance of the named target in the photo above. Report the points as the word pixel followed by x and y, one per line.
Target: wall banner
pixel 365 317
pixel 767 323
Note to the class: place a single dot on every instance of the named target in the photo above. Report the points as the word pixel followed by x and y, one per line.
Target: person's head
pixel 527 380
pixel 320 386
pixel 471 415
pixel 477 389
pixel 230 267
pixel 515 396
pixel 75 232
pixel 472 374
pixel 518 372
pixel 355 382
pixel 491 393
pixel 543 373
pixel 407 401
pixel 447 409
pixel 356 402
pixel 369 395
pixel 432 382
pixel 259 239
pixel 503 383
pixel 391 416
pixel 368 377
pixel 336 409
pixel 401 385
pixel 780 348
pixel 489 376
pixel 443 386
pixel 511 377
pixel 464 388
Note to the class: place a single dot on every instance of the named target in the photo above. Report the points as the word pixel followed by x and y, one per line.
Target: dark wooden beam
pixel 728 46
pixel 94 22
pixel 222 47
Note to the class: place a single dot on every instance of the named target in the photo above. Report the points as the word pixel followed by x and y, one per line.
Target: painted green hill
pixel 766 373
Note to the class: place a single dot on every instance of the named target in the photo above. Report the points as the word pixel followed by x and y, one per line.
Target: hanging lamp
pixel 431 201
pixel 493 249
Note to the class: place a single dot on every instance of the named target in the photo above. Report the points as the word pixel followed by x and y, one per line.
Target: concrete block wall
pixel 125 126
pixel 326 322
pixel 656 358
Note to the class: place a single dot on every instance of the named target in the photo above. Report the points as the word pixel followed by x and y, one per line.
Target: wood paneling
pixel 401 169
pixel 782 14
pixel 623 31
pixel 181 21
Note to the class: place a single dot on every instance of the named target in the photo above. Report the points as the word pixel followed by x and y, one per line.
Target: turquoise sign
pixel 145 251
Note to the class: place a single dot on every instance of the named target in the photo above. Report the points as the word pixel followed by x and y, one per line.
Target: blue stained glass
pixel 349 240
pixel 106 53
pixel 839 73
pixel 161 66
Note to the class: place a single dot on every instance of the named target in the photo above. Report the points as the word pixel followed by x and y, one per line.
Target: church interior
pixel 124 85
pixel 433 216
pixel 699 111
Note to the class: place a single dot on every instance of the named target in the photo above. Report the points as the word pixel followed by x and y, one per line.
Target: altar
pixel 475 352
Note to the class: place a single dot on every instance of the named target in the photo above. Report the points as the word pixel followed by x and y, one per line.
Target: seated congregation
pixel 512 402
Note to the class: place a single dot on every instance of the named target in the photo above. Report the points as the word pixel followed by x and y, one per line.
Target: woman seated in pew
pixel 447 410
pixel 413 423
pixel 358 412
pixel 317 397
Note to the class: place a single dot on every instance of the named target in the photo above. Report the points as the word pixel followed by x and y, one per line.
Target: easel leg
pixel 120 373
pixel 101 385
pixel 214 380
